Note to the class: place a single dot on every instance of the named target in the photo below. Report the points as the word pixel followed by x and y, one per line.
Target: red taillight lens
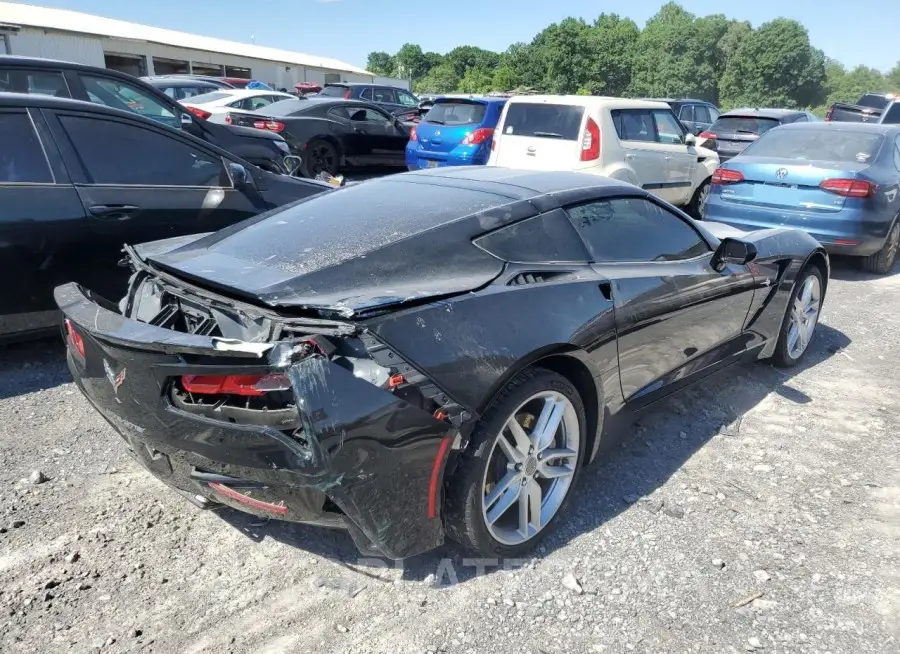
pixel 707 135
pixel 246 385
pixel 199 113
pixel 227 119
pixel 590 142
pixel 478 136
pixel 726 176
pixel 347 95
pixel 74 339
pixel 413 135
pixel 849 188
pixel 271 125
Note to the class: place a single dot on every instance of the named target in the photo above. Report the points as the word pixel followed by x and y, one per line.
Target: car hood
pixel 312 256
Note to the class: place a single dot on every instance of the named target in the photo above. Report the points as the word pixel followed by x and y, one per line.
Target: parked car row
pixel 881 108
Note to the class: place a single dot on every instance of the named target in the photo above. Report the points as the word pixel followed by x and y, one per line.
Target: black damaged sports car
pixel 434 353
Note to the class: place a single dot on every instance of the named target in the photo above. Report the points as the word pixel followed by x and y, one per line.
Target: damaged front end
pixel 304 419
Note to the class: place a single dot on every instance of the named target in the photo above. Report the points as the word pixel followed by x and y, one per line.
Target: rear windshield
pixel 334 91
pixel 555 121
pixel 743 125
pixel 456 112
pixel 874 101
pixel 818 145
pixel 209 97
pixel 286 107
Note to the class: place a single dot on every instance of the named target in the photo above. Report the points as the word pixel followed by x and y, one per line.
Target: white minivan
pixel 636 141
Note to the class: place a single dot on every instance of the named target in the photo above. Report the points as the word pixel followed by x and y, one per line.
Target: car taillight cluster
pixel 413 134
pixel 849 188
pixel 726 176
pixel 590 142
pixel 74 339
pixel 245 385
pixel 478 136
pixel 199 113
pixel 708 135
pixel 271 125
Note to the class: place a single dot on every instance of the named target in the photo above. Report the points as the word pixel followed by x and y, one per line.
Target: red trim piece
pixel 434 484
pixel 249 501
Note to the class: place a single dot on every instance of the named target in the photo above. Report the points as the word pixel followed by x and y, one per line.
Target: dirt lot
pixel 759 511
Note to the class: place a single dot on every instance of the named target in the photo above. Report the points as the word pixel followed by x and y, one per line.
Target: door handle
pixel 116 211
pixel 606 289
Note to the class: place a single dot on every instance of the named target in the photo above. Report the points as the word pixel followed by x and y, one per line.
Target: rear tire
pixel 320 156
pixel 701 195
pixel 800 319
pixel 882 261
pixel 531 476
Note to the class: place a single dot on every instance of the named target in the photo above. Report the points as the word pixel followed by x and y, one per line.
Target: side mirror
pixel 733 251
pixel 186 119
pixel 240 177
pixel 690 139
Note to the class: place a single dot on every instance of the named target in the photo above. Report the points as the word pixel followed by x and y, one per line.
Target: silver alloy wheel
pixel 704 196
pixel 893 242
pixel 530 468
pixel 804 317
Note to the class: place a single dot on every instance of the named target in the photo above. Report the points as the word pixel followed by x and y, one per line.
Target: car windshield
pixel 210 97
pixel 334 91
pixel 818 145
pixel 743 125
pixel 560 121
pixel 456 112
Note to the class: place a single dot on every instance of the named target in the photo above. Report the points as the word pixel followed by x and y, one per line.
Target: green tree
pixel 569 54
pixel 466 57
pixel 892 79
pixel 476 80
pixel 773 67
pixel 504 79
pixel 380 63
pixel 410 61
pixel 432 60
pixel 614 42
pixel 440 79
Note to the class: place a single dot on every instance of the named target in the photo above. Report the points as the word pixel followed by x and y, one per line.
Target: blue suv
pixel 454 132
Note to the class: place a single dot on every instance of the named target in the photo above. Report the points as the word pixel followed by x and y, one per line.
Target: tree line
pixel 677 54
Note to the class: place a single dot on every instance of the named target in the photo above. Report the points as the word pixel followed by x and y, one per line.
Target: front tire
pixel 801 318
pixel 698 202
pixel 882 261
pixel 320 156
pixel 516 477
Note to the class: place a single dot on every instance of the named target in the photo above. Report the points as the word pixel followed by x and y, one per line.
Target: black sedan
pixel 432 353
pixel 333 135
pixel 77 180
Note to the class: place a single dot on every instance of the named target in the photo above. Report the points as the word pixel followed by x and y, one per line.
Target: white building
pixel 143 50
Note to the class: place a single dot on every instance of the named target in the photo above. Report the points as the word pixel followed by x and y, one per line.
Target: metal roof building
pixel 143 50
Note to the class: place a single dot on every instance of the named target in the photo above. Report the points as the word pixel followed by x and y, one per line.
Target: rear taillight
pixel 478 136
pixel 590 142
pixel 227 119
pixel 849 188
pixel 347 95
pixel 726 176
pixel 413 135
pixel 246 385
pixel 271 125
pixel 74 339
pixel 707 135
pixel 199 113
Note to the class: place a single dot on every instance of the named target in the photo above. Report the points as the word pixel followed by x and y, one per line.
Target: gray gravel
pixel 759 511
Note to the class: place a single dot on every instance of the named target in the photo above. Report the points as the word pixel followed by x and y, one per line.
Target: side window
pixel 341 113
pixel 635 229
pixel 802 118
pixel 122 95
pixel 260 101
pixel 406 99
pixel 897 151
pixel 190 92
pixel 892 117
pixel 668 129
pixel 367 116
pixel 38 82
pixel 22 159
pixel 366 94
pixel 701 114
pixel 107 151
pixel 173 92
pixel 687 113
pixel 634 124
pixel 548 238
pixel 384 95
pixel 713 114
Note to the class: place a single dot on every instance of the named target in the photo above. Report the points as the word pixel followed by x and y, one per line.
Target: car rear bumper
pixel 840 232
pixel 356 456
pixel 418 158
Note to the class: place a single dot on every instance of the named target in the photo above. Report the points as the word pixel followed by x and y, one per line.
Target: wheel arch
pixel 330 138
pixel 819 259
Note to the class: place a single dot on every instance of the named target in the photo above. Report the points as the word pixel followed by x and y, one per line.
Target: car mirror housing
pixel 690 139
pixel 240 176
pixel 186 119
pixel 733 251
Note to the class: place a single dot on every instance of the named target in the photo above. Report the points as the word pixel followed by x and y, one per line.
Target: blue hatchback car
pixel 840 182
pixel 454 132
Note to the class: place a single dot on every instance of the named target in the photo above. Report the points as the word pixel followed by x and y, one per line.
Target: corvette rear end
pixel 306 420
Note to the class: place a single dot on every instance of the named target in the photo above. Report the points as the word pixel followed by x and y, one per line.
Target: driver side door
pixel 679 159
pixel 676 317
pixel 381 140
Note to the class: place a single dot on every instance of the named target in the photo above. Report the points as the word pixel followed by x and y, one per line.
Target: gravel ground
pixel 759 511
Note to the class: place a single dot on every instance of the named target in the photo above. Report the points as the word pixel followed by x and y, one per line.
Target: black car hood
pixel 315 255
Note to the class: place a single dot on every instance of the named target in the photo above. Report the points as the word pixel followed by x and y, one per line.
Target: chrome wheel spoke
pixel 523 442
pixel 511 452
pixel 507 499
pixel 534 497
pixel 548 422
pixel 512 477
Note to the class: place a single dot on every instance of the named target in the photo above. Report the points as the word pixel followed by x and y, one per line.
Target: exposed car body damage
pixel 331 371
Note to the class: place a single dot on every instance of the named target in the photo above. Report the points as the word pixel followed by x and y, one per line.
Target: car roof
pixel 180 81
pixel 677 100
pixel 243 93
pixel 593 101
pixel 762 113
pixel 841 126
pixel 511 182
pixel 475 98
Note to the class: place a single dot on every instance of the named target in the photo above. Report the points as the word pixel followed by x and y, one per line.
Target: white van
pixel 636 141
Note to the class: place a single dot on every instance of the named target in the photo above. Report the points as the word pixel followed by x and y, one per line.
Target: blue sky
pixel 860 32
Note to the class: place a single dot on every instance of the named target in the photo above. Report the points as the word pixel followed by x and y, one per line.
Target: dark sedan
pixel 77 180
pixel 332 135
pixel 389 98
pixel 380 358
pixel 735 130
